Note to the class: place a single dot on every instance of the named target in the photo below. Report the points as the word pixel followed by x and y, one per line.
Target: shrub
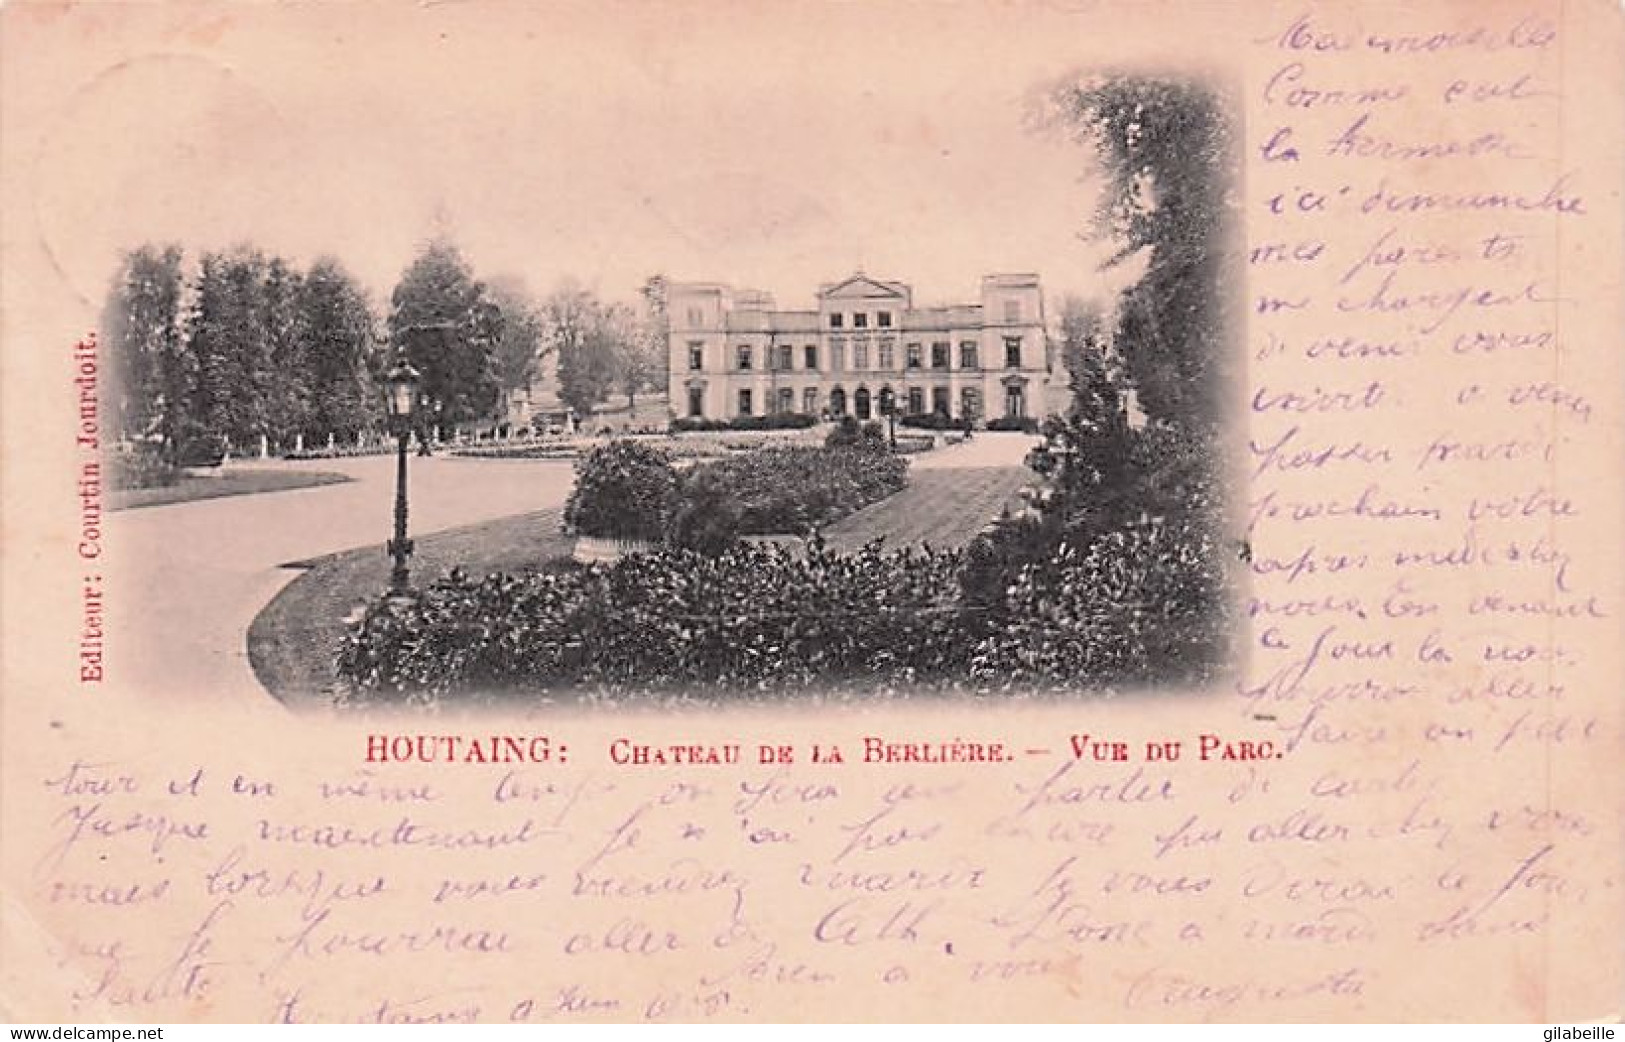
pixel 793 489
pixel 202 450
pixel 706 516
pixel 778 421
pixel 930 421
pixel 621 491
pixel 140 465
pixel 1144 603
pixel 1013 423
pixel 749 618
pixel 697 423
pixel 848 432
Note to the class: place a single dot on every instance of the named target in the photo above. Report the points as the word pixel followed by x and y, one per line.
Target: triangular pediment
pixel 862 287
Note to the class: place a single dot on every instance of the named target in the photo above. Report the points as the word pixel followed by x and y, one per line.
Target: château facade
pixel 861 350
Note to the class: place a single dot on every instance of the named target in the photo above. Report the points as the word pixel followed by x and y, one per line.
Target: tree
pixel 338 356
pixel 446 325
pixel 141 325
pixel 1166 148
pixel 647 363
pixel 520 349
pixel 1083 339
pixel 231 338
pixel 286 404
pixel 587 337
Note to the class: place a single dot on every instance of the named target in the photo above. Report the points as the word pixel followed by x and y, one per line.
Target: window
pixel 888 356
pixel 743 356
pixel 970 403
pixel 787 400
pixel 809 401
pixel 916 401
pixel 696 401
pixel 883 319
pixel 914 356
pixel 1012 352
pixel 696 355
pixel 837 347
pixel 1015 401
pixel 835 320
pixel 860 354
pixel 939 355
pixel 1012 311
pixel 784 358
pixel 860 320
pixel 744 402
pixel 811 361
pixel 939 400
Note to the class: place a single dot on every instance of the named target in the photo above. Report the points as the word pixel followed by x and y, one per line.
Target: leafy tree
pixel 445 323
pixel 285 405
pixel 141 325
pixel 587 337
pixel 646 361
pixel 228 335
pixel 1165 146
pixel 520 349
pixel 338 359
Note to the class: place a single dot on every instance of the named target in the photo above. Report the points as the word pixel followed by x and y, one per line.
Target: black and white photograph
pixel 853 394
pixel 548 512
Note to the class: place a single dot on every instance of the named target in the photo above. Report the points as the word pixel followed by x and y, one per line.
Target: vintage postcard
pixel 705 511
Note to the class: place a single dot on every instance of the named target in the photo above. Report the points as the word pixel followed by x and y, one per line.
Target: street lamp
pixel 888 405
pixel 402 383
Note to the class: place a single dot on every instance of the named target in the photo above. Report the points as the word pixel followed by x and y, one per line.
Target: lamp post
pixel 402 382
pixel 888 405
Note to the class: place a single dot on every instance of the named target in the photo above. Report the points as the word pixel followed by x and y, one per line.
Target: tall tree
pixel 285 405
pixel 445 323
pixel 337 359
pixel 646 365
pixel 141 325
pixel 520 350
pixel 229 336
pixel 1165 146
pixel 587 337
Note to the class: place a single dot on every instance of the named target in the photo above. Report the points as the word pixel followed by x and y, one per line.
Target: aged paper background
pixel 1440 838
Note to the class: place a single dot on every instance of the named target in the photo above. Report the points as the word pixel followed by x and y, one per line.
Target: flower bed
pixel 551 448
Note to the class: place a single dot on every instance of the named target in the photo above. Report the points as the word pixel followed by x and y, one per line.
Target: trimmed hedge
pixel 1026 424
pixel 779 421
pixel 793 489
pixel 931 421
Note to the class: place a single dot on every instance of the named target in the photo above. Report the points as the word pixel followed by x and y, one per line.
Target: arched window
pixel 860 403
pixel 837 402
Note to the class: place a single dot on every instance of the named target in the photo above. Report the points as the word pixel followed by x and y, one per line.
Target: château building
pixel 861 349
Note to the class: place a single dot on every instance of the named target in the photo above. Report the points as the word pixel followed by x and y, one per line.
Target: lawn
pixel 293 641
pixel 246 482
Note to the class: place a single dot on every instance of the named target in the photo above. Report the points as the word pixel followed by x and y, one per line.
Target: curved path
pixel 184 581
